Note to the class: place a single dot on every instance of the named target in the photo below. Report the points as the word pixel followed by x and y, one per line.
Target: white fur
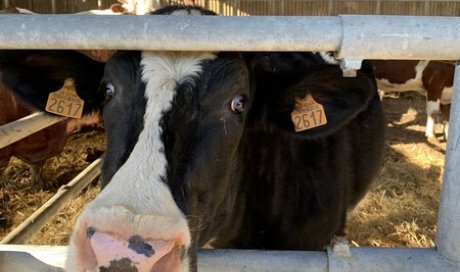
pixel 25 11
pixel 446 95
pixel 137 201
pixel 446 130
pixel 432 110
pixel 328 57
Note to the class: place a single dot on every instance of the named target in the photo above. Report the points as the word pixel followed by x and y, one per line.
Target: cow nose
pixel 115 239
pixel 114 253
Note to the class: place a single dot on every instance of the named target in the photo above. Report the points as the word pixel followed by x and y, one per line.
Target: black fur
pixel 34 74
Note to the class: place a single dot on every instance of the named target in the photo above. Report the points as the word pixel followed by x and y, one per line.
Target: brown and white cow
pixel 40 146
pixel 247 150
pixel 434 79
pixel 35 149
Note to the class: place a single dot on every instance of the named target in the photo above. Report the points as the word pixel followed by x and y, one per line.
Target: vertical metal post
pixel 448 233
pixel 378 7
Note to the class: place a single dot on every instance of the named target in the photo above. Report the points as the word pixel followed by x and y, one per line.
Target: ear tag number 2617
pixel 308 114
pixel 65 101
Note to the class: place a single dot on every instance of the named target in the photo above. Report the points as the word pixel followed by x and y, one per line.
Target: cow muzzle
pixel 117 240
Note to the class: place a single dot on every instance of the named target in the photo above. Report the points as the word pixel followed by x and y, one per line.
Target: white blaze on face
pixel 138 183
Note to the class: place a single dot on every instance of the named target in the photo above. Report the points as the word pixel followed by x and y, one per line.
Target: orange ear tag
pixel 65 101
pixel 308 114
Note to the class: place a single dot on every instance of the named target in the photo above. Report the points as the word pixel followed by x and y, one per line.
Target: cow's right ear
pixel 33 74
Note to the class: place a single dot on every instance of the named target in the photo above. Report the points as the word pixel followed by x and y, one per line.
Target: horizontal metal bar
pixel 33 258
pixel 21 128
pixel 203 33
pixel 400 37
pixel 34 223
pixel 352 36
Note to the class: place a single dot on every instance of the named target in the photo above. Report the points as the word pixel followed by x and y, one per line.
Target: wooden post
pixel 378 7
pixel 427 8
pixel 329 8
pixel 53 6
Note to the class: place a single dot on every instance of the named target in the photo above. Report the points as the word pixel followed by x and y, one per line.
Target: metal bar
pixel 21 128
pixel 13 258
pixel 34 223
pixel 163 32
pixel 399 37
pixel 448 232
pixel 20 258
pixel 352 36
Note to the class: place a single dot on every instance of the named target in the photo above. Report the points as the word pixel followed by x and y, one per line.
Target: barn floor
pixel 401 210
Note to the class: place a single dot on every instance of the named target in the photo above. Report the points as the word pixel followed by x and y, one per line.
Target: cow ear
pixel 324 101
pixel 33 74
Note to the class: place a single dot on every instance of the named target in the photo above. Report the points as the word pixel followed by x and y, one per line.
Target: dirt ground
pixel 401 209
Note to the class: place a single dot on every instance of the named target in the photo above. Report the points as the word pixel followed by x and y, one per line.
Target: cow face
pixel 173 121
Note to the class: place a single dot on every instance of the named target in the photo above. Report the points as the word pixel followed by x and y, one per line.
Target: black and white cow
pixel 201 147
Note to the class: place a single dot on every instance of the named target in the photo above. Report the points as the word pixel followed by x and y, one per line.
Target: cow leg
pixel 445 112
pixel 381 94
pixel 432 110
pixel 446 129
pixel 36 177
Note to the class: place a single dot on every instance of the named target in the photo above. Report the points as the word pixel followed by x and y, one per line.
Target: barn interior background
pixel 266 7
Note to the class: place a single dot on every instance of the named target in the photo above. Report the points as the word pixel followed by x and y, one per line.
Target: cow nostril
pixel 183 253
pixel 90 232
pixel 138 244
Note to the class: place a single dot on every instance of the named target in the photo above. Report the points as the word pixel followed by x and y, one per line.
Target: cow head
pixel 174 124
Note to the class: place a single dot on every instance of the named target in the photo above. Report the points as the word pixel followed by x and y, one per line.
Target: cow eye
pixel 109 90
pixel 238 104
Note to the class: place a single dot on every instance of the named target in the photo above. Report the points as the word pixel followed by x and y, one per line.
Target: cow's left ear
pixel 324 101
pixel 33 74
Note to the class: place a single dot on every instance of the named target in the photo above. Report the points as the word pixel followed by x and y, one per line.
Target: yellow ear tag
pixel 308 114
pixel 65 101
